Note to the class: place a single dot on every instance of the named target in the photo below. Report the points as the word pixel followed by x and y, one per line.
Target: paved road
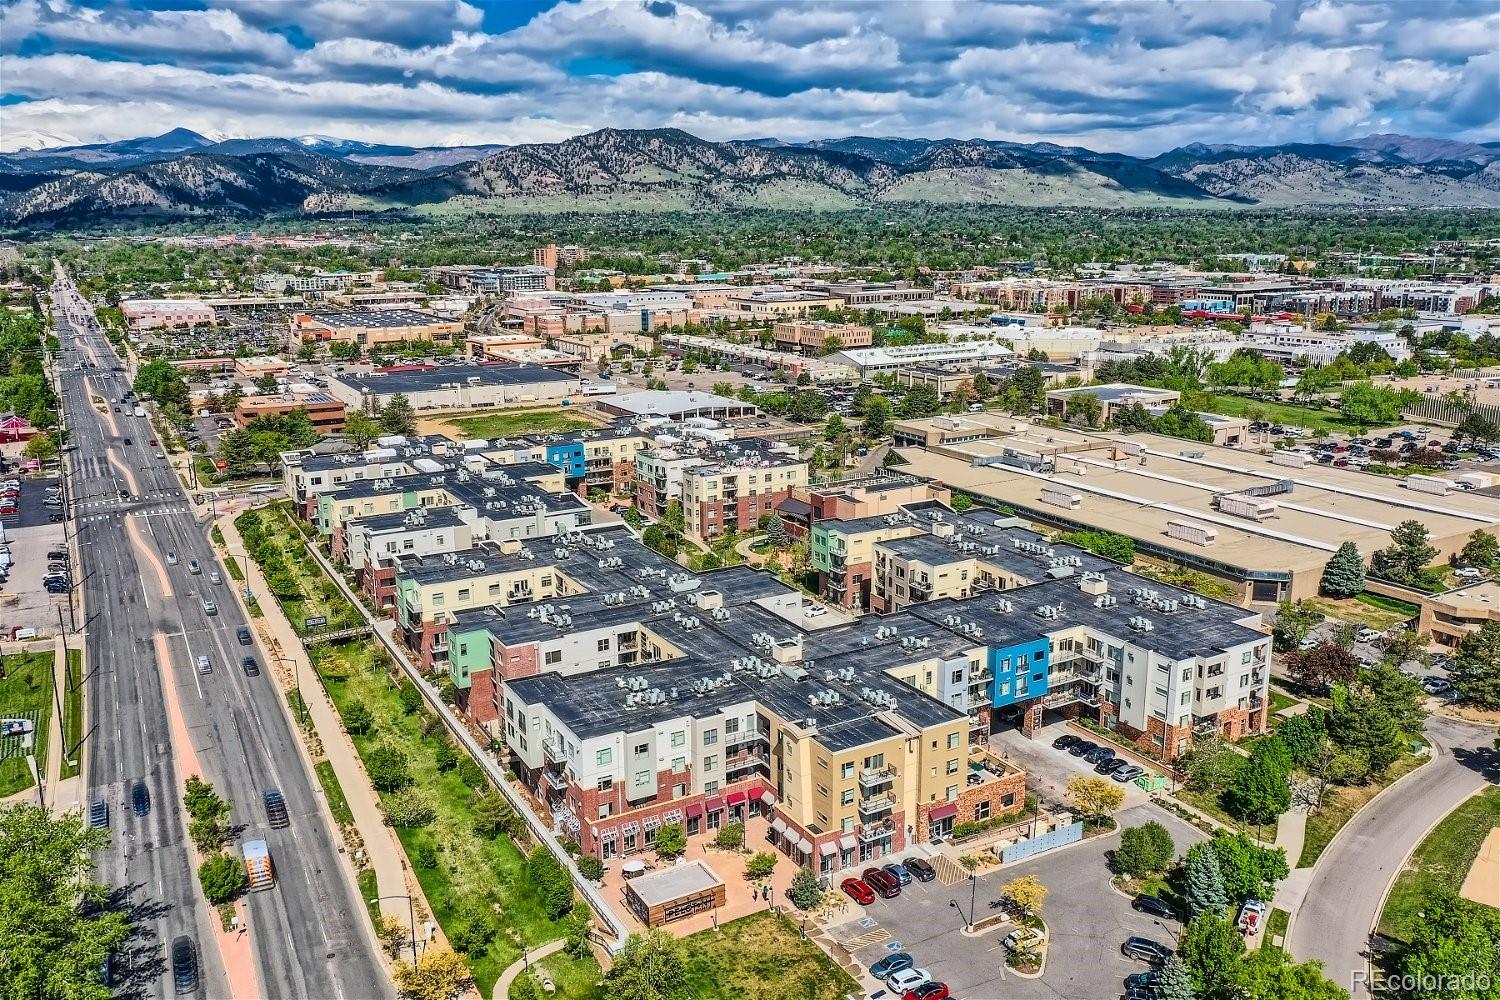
pixel 305 932
pixel 1350 880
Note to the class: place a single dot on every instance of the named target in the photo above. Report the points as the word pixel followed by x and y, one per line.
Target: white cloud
pixel 219 34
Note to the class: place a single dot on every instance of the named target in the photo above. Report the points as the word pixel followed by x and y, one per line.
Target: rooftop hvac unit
pixel 1192 531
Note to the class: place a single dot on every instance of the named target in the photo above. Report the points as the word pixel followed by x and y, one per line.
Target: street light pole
pixel 411 919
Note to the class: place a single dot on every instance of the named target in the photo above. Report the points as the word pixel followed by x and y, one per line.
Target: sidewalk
pixel 381 847
pixel 502 985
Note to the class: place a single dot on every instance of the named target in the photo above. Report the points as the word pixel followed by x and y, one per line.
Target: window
pixel 731 726
pixel 981 810
pixel 710 788
pixel 952 741
pixel 953 765
pixel 554 656
pixel 604 757
pixel 603 645
pixel 463 595
pixel 1008 799
pixel 710 762
pixel 437 598
pixel 605 784
pixel 604 809
pixel 643 777
pixel 710 737
pixel 847 798
pixel 494 590
pixel 679 764
pixel 951 793
pixel 679 738
pixel 641 749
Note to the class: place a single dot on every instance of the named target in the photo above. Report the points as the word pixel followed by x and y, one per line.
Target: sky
pixel 1122 75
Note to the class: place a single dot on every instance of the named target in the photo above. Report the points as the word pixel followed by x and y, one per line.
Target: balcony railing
pixel 874 777
pixel 875 831
pixel 552 750
pixel 555 780
pixel 740 762
pixel 1070 696
pixel 746 736
pixel 876 804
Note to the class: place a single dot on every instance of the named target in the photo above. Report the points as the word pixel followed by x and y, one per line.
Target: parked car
pixel 1437 685
pixel 1154 905
pixel 882 882
pixel 1082 747
pixel 928 991
pixel 858 891
pixel 1129 772
pixel 1145 949
pixel 908 979
pixel 890 964
pixel 920 869
pixel 1252 916
pixel 1064 741
pixel 897 872
pixel 205 665
pixel 1099 755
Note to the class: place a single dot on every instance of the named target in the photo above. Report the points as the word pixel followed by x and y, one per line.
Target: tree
pixel 1476 667
pixel 1211 950
pixel 1408 555
pixel 54 921
pixel 361 429
pixel 550 881
pixel 1477 427
pixel 471 925
pixel 1144 850
pixel 1292 623
pixel 358 718
pixel 1454 943
pixel 160 380
pixel 1025 894
pixel 1367 403
pixel 1210 764
pixel 1120 548
pixel 1249 870
pixel 223 878
pixel 805 893
pixel 409 697
pixel 438 974
pixel 1365 734
pixel 731 836
pixel 674 521
pixel 591 868
pixel 577 925
pixel 1344 574
pixel 1203 881
pixel 651 966
pixel 761 865
pixel 208 823
pixel 445 756
pixel 776 534
pixel 1268 974
pixel 1401 696
pixel 1320 668
pixel 1030 386
pixel 671 840
pixel 877 422
pixel 1084 408
pixel 835 427
pixel 1482 551
pixel 392 935
pixel 1303 735
pixel 398 417
pixel 267 385
pixel 1173 981
pixel 387 767
pixel 41 448
pixel 1096 798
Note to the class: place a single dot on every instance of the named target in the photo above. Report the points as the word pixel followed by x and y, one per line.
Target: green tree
pixel 267 385
pixel 1211 950
pixel 1211 765
pixel 1344 574
pixel 1292 623
pixel 1249 870
pixel 409 697
pixel 1401 696
pixel 1030 386
pixel 1144 850
pixel 1173 982
pixel 358 718
pixel 920 401
pixel 591 868
pixel 398 417
pixel 776 534
pixel 223 878
pixel 551 882
pixel 1476 667
pixel 1203 881
pixel 1303 736
pixel 55 924
pixel 438 974
pixel 1268 974
pixel 1454 943
pixel 387 767
pixel 731 836
pixel 492 814
pixel 41 448
pixel 877 422
pixel 1408 555
pixel 361 429
pixel 1120 548
pixel 671 840
pixel 761 865
pixel 208 823
pixel 651 966
pixel 1364 733
pixel 160 380
pixel 1370 404
pixel 805 893
pixel 409 808
pixel 1481 551
pixel 1084 408
pixel 445 756
pixel 835 427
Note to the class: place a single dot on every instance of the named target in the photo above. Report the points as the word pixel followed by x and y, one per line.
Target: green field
pixel 761 957
pixel 73 714
pixel 507 423
pixel 25 692
pixel 338 804
pixel 1440 863
pixel 1319 419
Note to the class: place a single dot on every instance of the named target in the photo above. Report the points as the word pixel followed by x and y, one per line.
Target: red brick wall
pixel 511 662
pixel 479 701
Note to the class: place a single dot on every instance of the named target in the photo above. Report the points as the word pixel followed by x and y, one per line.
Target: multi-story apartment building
pixel 737 486
pixel 551 255
pixel 815 336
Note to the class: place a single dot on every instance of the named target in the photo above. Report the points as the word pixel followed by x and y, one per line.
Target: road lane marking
pixel 146 552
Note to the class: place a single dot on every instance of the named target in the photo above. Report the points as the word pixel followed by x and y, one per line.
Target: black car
pixel 1082 747
pixel 184 966
pixel 1154 905
pixel 1108 765
pixel 243 634
pixel 55 517
pixel 276 809
pixel 1064 741
pixel 252 669
pixel 140 798
pixel 1099 754
pixel 920 869
pixel 1146 950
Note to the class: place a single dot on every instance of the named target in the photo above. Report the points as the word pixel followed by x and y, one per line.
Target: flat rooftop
pixel 666 403
pixel 374 318
pixel 444 376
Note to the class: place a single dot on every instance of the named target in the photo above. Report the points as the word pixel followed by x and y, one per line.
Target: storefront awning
pixel 714 805
pixel 848 842
pixel 694 810
pixel 828 848
pixel 734 798
pixel 767 798
pixel 945 811
pixel 804 845
pixel 778 824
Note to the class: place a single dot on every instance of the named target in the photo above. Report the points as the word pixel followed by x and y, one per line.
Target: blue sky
pixel 1139 77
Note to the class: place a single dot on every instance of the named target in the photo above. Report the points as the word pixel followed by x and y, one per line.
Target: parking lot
pixel 1086 919
pixel 1048 770
pixel 30 535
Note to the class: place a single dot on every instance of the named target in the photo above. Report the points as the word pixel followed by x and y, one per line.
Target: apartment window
pixel 847 798
pixel 679 738
pixel 605 809
pixel 643 777
pixel 1245 656
pixel 603 645
pixel 463 595
pixel 679 764
pixel 605 784
pixel 957 678
pixel 953 765
pixel 982 810
pixel 641 749
pixel 437 598
pixel 1244 680
pixel 1187 675
pixel 951 793
pixel 710 762
pixel 1008 799
pixel 711 788
pixel 710 737
pixel 847 771
pixel 952 741
pixel 731 726
pixel 554 656
pixel 494 590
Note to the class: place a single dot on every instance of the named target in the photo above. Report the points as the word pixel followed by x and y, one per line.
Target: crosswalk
pixel 114 503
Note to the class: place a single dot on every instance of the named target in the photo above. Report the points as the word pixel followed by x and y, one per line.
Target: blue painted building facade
pixel 1020 672
pixel 568 456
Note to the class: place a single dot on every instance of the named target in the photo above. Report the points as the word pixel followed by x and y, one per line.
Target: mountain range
pixel 184 174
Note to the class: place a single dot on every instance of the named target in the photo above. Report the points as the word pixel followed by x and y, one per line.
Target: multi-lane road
pixel 157 716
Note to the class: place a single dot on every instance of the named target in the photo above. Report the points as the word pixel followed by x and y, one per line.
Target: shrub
pixel 591 868
pixel 671 840
pixel 470 773
pixel 409 809
pixel 761 865
pixel 387 767
pixel 223 878
pixel 730 836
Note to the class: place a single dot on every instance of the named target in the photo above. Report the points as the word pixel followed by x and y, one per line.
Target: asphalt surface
pixel 304 932
pixel 1351 879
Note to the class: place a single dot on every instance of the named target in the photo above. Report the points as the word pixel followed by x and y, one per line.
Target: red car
pixel 928 991
pixel 882 882
pixel 858 891
pixel 152 442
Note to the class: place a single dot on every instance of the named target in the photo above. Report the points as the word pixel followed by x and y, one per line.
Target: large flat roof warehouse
pixel 677 405
pixel 373 318
pixel 444 375
pixel 1150 487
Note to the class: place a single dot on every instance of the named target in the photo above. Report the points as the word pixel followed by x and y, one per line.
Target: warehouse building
pixel 457 387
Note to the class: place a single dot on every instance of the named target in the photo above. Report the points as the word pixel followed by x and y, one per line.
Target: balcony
pixel 981 676
pixel 1070 696
pixel 874 777
pixel 555 780
pixel 876 805
pixel 870 832
pixel 748 736
pixel 741 762
pixel 552 751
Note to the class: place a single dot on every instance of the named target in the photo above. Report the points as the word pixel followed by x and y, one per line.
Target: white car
pixel 908 979
pixel 1468 573
pixel 1367 635
pixel 814 611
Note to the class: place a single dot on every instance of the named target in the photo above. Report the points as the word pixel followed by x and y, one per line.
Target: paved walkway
pixel 381 847
pixel 502 985
pixel 752 558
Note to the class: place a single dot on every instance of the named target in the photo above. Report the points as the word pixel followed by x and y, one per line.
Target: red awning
pixel 945 811
pixel 714 805
pixel 695 809
pixel 735 798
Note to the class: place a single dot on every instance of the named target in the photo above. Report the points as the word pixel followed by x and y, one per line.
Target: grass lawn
pixel 369 888
pixel 1276 925
pixel 316 595
pixel 73 713
pixel 574 978
pixel 505 423
pixel 1340 804
pixel 1209 803
pixel 1360 613
pixel 1317 419
pixel 1440 862
pixel 1280 701
pixel 762 958
pixel 492 871
pixel 1405 608
pixel 25 692
pixel 338 804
